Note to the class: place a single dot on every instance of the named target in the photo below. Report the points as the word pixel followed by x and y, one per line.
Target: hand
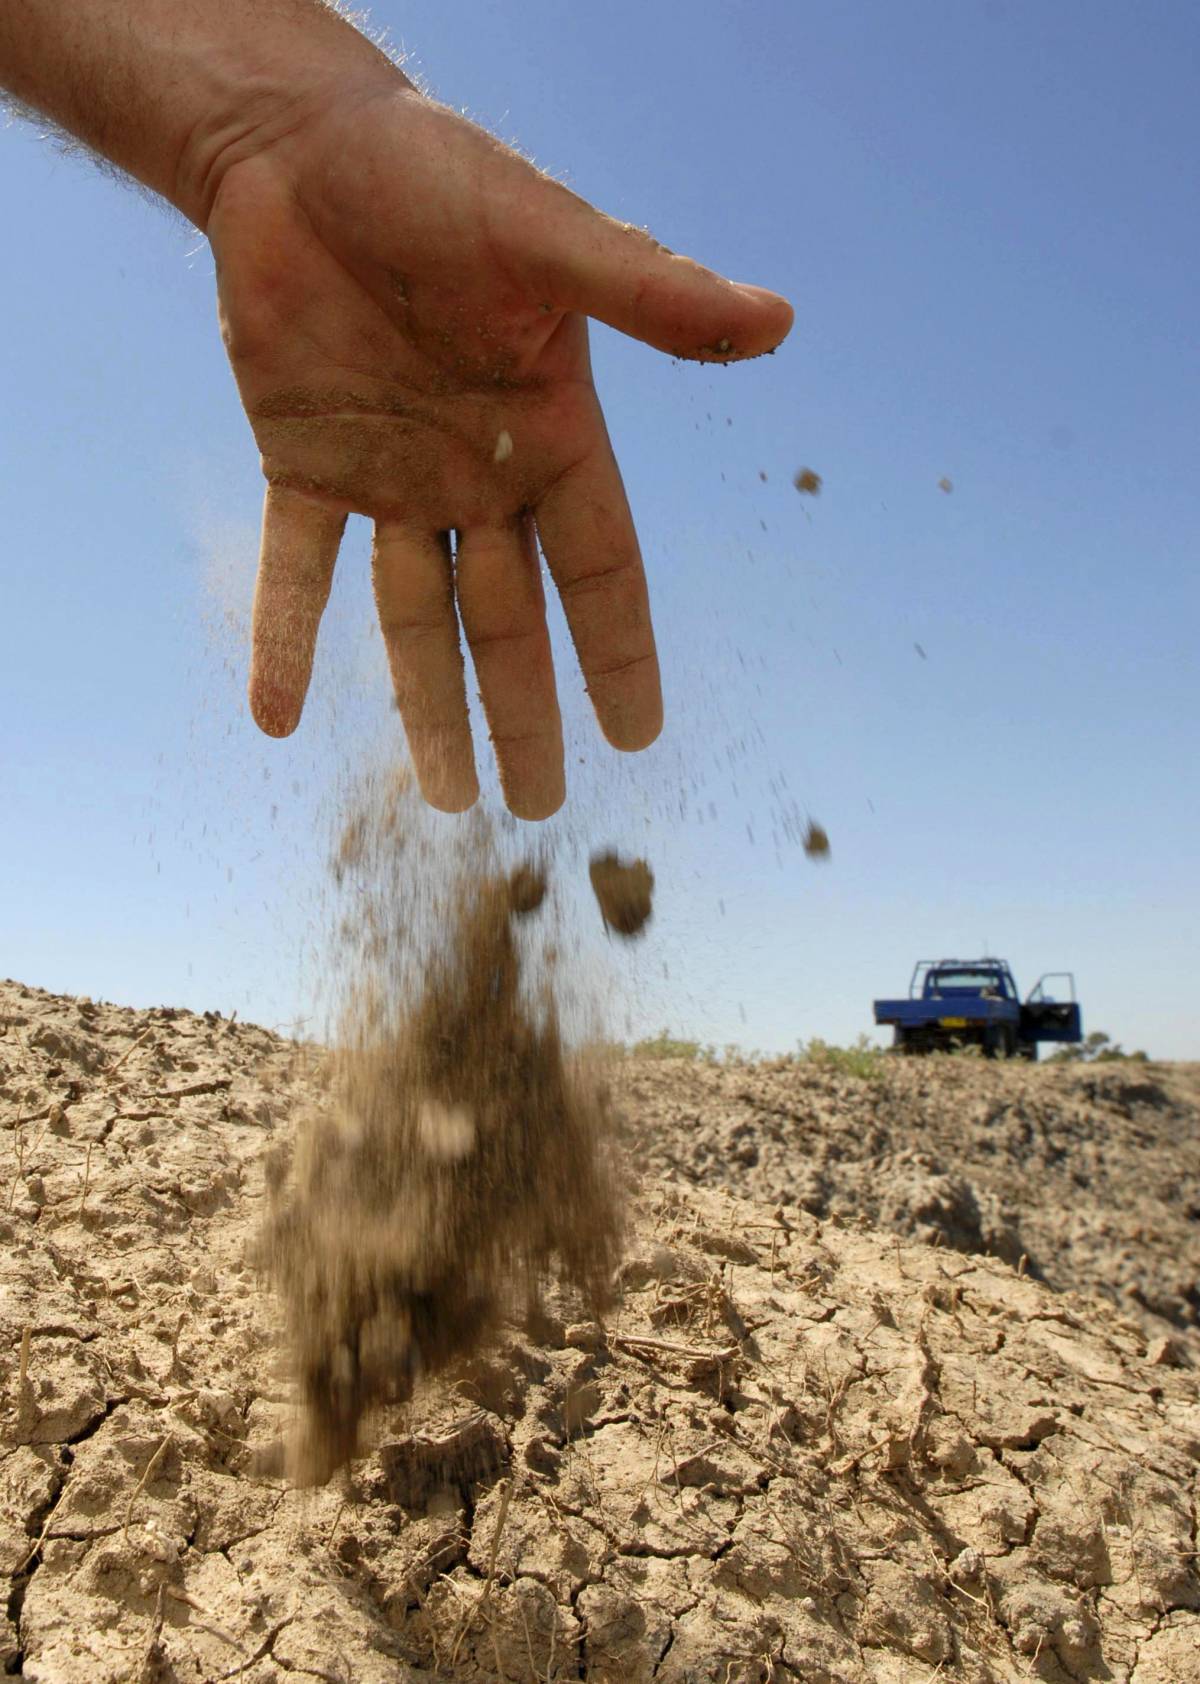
pixel 404 303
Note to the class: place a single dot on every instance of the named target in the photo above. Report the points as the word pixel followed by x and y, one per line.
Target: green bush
pixel 863 1059
pixel 1097 1048
pixel 666 1045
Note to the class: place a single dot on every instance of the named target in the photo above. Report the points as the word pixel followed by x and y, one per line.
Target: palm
pixel 399 299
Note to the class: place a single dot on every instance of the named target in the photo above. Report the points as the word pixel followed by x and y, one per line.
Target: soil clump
pixel 816 841
pixel 624 891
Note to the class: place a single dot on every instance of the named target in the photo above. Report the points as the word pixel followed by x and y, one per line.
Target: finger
pixel 299 549
pixel 623 277
pixel 414 594
pixel 591 549
pixel 503 611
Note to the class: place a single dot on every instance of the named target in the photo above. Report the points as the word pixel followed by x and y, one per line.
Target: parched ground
pixel 810 1444
pixel 1091 1174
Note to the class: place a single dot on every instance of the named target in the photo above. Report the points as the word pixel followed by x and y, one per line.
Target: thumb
pixel 623 277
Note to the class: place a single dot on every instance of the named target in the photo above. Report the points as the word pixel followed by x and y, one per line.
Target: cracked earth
pixel 901 1385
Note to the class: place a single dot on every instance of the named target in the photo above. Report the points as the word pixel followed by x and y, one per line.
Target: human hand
pixel 404 303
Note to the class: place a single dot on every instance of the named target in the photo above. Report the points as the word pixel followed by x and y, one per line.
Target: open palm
pixel 404 303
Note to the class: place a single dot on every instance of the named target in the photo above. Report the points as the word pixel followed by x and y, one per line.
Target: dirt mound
pixel 796 1450
pixel 1089 1175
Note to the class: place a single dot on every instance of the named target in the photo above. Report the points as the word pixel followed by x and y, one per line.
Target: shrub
pixel 1096 1048
pixel 861 1059
pixel 666 1045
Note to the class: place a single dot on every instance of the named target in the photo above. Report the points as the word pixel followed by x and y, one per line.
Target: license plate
pixel 953 1022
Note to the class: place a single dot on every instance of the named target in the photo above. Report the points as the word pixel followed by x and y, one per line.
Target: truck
pixel 956 1003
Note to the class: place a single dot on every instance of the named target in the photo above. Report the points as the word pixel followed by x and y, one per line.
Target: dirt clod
pixel 807 482
pixel 816 841
pixel 624 891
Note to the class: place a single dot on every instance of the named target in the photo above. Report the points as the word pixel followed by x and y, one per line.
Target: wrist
pixel 257 94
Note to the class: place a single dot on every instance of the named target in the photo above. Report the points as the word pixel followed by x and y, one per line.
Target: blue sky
pixel 986 216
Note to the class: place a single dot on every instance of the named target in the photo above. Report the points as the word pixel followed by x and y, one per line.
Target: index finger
pixel 591 548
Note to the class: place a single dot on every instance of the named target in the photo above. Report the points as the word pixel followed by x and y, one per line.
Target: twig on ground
pixel 149 1671
pixel 143 1482
pixel 111 1069
pixel 175 1343
pixel 37 1545
pixel 20 1151
pixel 263 1649
pixel 87 1179
pixel 207 1617
pixel 847 1463
pixel 485 1595
pixel 637 1342
pixel 26 1408
pixel 33 1117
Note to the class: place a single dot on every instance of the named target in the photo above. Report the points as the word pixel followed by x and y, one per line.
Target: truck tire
pixel 1028 1051
pixel 1000 1042
pixel 900 1040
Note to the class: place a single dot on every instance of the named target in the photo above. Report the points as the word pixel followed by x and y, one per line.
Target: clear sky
pixel 987 213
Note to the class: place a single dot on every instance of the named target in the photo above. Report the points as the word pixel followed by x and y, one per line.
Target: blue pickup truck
pixel 974 1002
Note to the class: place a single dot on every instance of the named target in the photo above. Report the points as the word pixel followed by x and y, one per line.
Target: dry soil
pixel 806 1443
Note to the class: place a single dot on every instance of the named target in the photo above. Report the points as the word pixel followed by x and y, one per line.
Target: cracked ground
pixel 901 1384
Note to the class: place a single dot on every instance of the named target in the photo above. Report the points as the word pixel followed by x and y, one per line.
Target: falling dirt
pixel 624 892
pixel 807 482
pixel 458 1159
pixel 816 841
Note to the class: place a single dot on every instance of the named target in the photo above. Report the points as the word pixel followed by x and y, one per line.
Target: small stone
pixel 965 1566
pixel 1164 1352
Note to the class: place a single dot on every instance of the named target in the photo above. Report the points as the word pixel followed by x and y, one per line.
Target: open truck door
pixel 1051 1011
